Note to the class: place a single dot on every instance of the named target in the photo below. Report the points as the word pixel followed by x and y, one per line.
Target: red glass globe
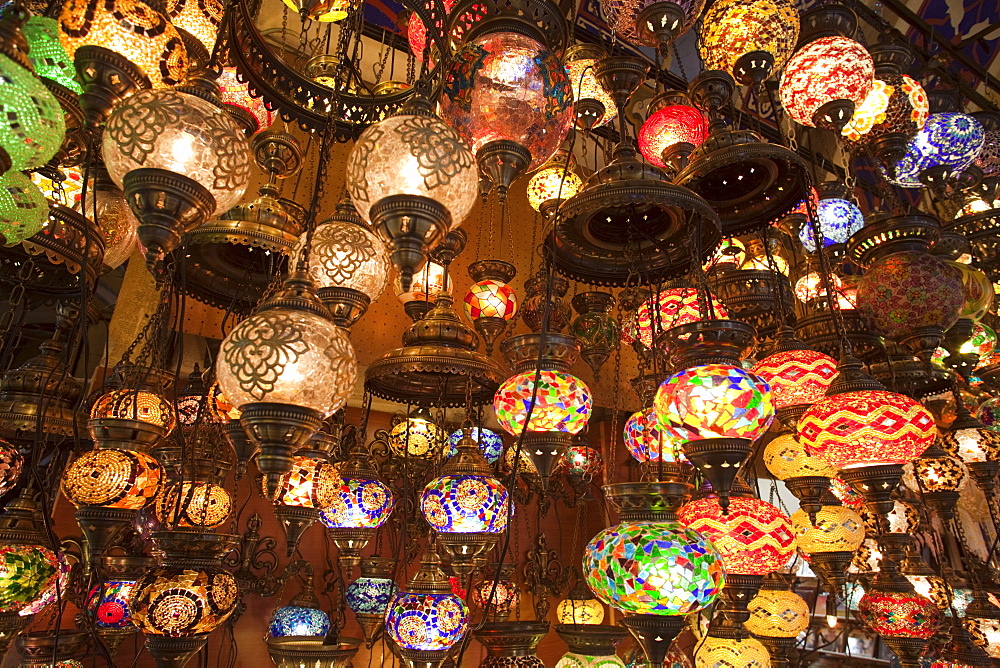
pixel 899 614
pixel 676 306
pixel 866 428
pixel 825 70
pixel 796 377
pixel 416 32
pixel 754 538
pixel 671 125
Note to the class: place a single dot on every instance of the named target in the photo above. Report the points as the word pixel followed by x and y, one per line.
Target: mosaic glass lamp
pixel 777 613
pixel 825 81
pixel 23 208
pixel 417 436
pixel 948 143
pixel 490 443
pixel 562 403
pixel 200 18
pixel 235 93
pixel 124 479
pixel 668 126
pixel 369 595
pixel 555 182
pixel 786 458
pixel 594 106
pixel 649 441
pixel 301 617
pixel 33 123
pixel 189 504
pixel 11 465
pixel 580 607
pixel 672 307
pixel 838 218
pixel 731 652
pixel 46 52
pixel 796 377
pixel 750 39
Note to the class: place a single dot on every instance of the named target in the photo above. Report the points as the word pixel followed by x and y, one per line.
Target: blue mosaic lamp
pixel 466 506
pixel 838 218
pixel 948 143
pixel 369 596
pixel 427 619
pixel 302 616
pixel 363 505
pixel 490 443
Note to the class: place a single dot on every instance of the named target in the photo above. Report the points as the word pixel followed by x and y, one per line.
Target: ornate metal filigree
pixel 544 575
pixel 259 349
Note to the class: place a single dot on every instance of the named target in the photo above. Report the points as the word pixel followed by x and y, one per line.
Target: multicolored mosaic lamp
pixel 750 39
pixel 562 403
pixel 11 464
pixel 312 485
pixel 838 219
pixel 302 616
pixel 490 443
pixel 491 303
pixel 417 436
pixel 466 506
pixel 497 597
pixel 947 144
pixel 903 619
pixel 825 81
pixel 672 307
pixel 649 441
pixel 27 568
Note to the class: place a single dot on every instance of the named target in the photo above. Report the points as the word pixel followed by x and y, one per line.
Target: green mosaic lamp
pixel 32 124
pixel 47 53
pixel 23 208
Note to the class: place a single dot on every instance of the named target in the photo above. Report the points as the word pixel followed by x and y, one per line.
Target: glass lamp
pixel 896 104
pixel 731 254
pixel 290 360
pixel 898 614
pixel 116 221
pixel 580 607
pixel 180 602
pixel 811 287
pixel 796 377
pixel 348 263
pixel 417 436
pixel 138 405
pixel 499 596
pixel 200 18
pixel 490 302
pixel 837 529
pixel 23 209
pixel 978 292
pixel 866 428
pixel 46 52
pixel 786 458
pixel 235 94
pixel 508 96
pixel 110 604
pixel 672 307
pixel 580 462
pixel 777 613
pixel 188 504
pixel 750 39
pixel 147 39
pixel 33 123
pixel 176 141
pixel 413 178
pixel 369 595
pixel 556 181
pixel 11 464
pixel 416 32
pixel 948 143
pixel 112 478
pixel 489 442
pixel 562 403
pixel 312 483
pixel 825 81
pixel 298 620
pixel 753 537
pixel 731 652
pixel 838 219
pixel 594 106
pixel 27 568
pixel 668 126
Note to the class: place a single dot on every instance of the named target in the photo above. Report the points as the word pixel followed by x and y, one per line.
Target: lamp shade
pixel 796 377
pixel 112 479
pixel 837 529
pixel 417 436
pixel 312 483
pixel 26 572
pixel 715 401
pixel 669 125
pixel 562 402
pixel 490 443
pixel 236 93
pixel 585 86
pixel 658 568
pixel 553 181
pixel 110 604
pixel 426 621
pixel 734 28
pixel 47 54
pixel 200 18
pixel 649 441
pixel 490 298
pixel 899 614
pixel 23 209
pixel 580 611
pixel 838 220
pixel 866 428
pixel 193 504
pixel 465 504
pixel 298 620
pixel 731 652
pixel 776 613
pixel 362 503
pixel 948 139
pixel 370 595
pixel 33 123
pixel 179 602
pixel 753 537
pixel 345 254
pixel 507 86
pixel 829 69
pixel 138 405
pixel 895 104
pixel 672 307
pixel 786 458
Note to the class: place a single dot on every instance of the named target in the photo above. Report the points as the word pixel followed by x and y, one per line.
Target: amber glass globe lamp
pixel 417 436
pixel 580 607
pixel 750 39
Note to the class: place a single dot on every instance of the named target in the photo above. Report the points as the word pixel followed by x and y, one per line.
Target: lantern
pixel 490 299
pixel 949 141
pixel 200 18
pixel 26 573
pixel 33 123
pixel 554 182
pixel 139 405
pixel 731 652
pixel 490 443
pixel 838 219
pixel 580 607
pixel 312 483
pixel 786 458
pixel 46 53
pixel 753 537
pixel 112 479
pixel 715 401
pixel 417 436
pixel 298 620
pixel 836 529
pixel 580 461
pixel 672 307
pixel 11 463
pixel 825 81
pixel 147 40
pixel 465 504
pixel 370 595
pixel 812 287
pixel 427 616
pixel 110 604
pixel 23 209
pixel 750 39
pixel 977 290
pixel 499 596
pixel 416 32
pixel 777 613
pixel 898 614
pixel 896 104
pixel 180 602
pixel 235 93
pixel 796 377
pixel 562 402
pixel 362 503
pixel 668 126
pixel 866 428
pixel 116 221
pixel 587 90
pixel 193 504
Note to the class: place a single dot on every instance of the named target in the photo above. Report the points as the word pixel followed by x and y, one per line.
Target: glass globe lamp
pixel 235 93
pixel 668 126
pixel 825 81
pixel 899 614
pixel 298 620
pixel 838 220
pixel 180 602
pixel 562 403
pixel 658 568
pixel 111 604
pixel 46 53
pixel 715 401
pixel 973 444
pixel 26 573
pixel 896 104
pixel 11 465
pixel 580 60
pixel 786 458
pixel 524 466
pixel 982 621
pixel 866 428
pixel 811 287
pixel 796 377
pixel 111 478
pixel 777 613
pixel 138 405
pixel 188 504
pixel 734 652
pixel 428 281
pixel 64 188
pixel 554 182
pixel 580 461
pixel 417 436
pixel 753 537
pixel 988 412
pixel 50 595
pixel 499 596
pixel 312 483
pixel 580 607
pixel 837 529
pixel 489 442
pixel 23 209
pixel 371 593
pixel 948 142
pixel 363 503
pixel 427 616
pixel 412 177
pixel 750 39
pixel 490 299
pixel 506 87
pixel 939 474
pixel 290 360
pixel 672 307
pixel 200 18
pixel 649 441
pixel 147 40
pixel 33 123
pixel 628 21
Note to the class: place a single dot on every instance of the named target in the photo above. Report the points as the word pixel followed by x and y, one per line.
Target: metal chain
pixel 379 67
pixel 613 436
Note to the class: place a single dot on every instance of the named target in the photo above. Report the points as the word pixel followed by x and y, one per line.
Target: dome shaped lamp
pixel 595 328
pixel 491 303
pixel 348 263
pixel 939 477
pixel 580 607
pixel 671 131
pixel 904 620
pixel 777 617
pixel 830 542
pixel 942 154
pixel 975 444
pixel 591 645
pixel 426 619
pixel 302 616
pixel 369 596
pixel 413 178
pixel 311 485
pixel 497 597
pixel 749 39
pixel 466 506
pixel 363 504
pixel 798 376
pixel 554 183
pixel 286 368
pixel 176 178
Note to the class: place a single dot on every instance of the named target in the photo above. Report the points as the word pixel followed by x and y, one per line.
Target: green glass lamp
pixel 47 53
pixel 23 208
